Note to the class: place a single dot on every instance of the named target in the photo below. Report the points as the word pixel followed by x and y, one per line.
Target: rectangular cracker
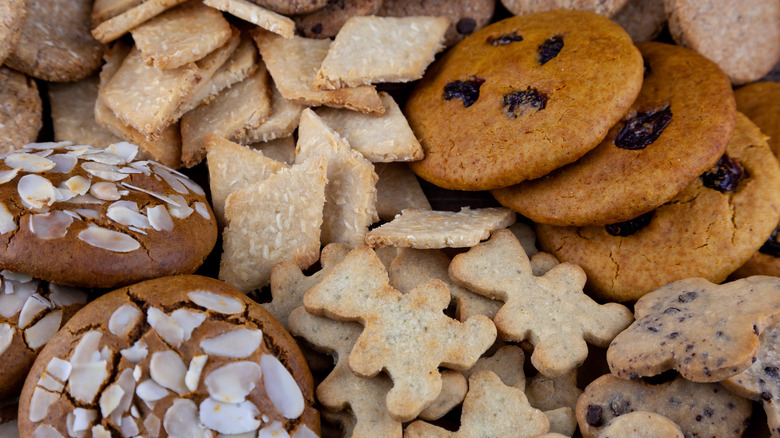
pixel 271 221
pixel 102 10
pixel 281 149
pixel 230 115
pixel 257 15
pixel 280 123
pixel 293 62
pixel 119 25
pixel 181 35
pixel 397 189
pixel 233 167
pixel 373 49
pixel 428 229
pixel 380 139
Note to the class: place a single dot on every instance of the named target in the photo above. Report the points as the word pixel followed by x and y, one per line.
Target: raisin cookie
pixel 90 217
pixel 522 97
pixel 326 22
pixel 466 16
pixel 182 356
pixel 708 230
pixel 676 130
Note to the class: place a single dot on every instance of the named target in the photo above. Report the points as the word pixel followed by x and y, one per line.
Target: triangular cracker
pixel 293 62
pixel 281 149
pixel 73 113
pixel 426 229
pixel 550 311
pixel 118 25
pixel 256 15
pixel 397 190
pixel 381 139
pixel 375 49
pixel 350 196
pixel 271 221
pixel 282 121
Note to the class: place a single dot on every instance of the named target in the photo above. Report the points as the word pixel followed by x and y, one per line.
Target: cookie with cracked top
pixel 179 356
pixel 466 16
pixel 676 130
pixel 91 217
pixel 521 98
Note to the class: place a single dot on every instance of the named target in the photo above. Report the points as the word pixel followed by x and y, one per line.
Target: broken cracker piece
pixel 257 15
pixel 426 229
pixel 73 113
pixel 282 121
pixel 397 189
pixel 373 49
pixel 119 25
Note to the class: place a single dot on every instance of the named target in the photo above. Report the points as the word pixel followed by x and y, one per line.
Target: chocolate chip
pixel 550 49
pixel 772 372
pixel 593 416
pixel 516 103
pixel 466 26
pixel 620 406
pixel 643 129
pixel 765 395
pixel 505 39
pixel 673 335
pixel 698 418
pixel 708 411
pixel 671 310
pixel 316 29
pixel 724 176
pixel 771 246
pixel 687 297
pixel 629 227
pixel 467 91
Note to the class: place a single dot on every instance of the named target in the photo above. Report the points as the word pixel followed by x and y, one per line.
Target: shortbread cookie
pixel 708 230
pixel 662 144
pixel 174 356
pixel 699 409
pixel 326 22
pixel 256 15
pixel 21 115
pixel 641 424
pixel 743 37
pixel 102 218
pixel 466 16
pixel 397 190
pixel 114 27
pixel 453 390
pixel 507 363
pixel 31 312
pixel 12 14
pixel 602 7
pixel 55 44
pixel 642 19
pixel 292 7
pixel 73 113
pixel 518 99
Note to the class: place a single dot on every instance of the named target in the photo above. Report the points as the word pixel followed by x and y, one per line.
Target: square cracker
pixel 293 62
pixel 119 25
pixel 73 113
pixel 181 35
pixel 233 167
pixel 374 49
pixel 426 229
pixel 280 123
pixel 380 139
pixel 397 190
pixel 271 221
pixel 257 15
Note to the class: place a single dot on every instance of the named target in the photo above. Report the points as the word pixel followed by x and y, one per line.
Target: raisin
pixel 466 26
pixel 724 176
pixel 516 103
pixel 643 129
pixel 620 406
pixel 316 29
pixel 772 371
pixel 629 227
pixel 550 49
pixel 593 416
pixel 503 40
pixel 771 246
pixel 766 395
pixel 687 297
pixel 467 91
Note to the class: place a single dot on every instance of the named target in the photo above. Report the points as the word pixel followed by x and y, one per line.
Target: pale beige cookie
pixel 643 20
pixel 281 123
pixel 73 113
pixel 640 424
pixel 357 289
pixel 427 229
pixel 55 43
pixel 602 7
pixel 350 196
pixel 257 237
pixel 563 421
pixel 326 22
pixel 234 111
pixel 342 389
pixel 550 311
pixel 256 15
pixel 102 10
pixel 233 167
pixel 292 7
pixel 699 409
pixel 490 409
pixel 466 16
pixel 381 49
pixel 397 189
pixel 507 363
pixel 707 332
pixel 453 390
pixel 527 237
pixel 548 393
pixel 12 14
pixel 281 149
pixel 181 35
pixel 21 114
pixel 118 25
pixel 293 63
pixel 380 139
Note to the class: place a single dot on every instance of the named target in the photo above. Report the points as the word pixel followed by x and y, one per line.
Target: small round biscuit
pixel 21 114
pixel 642 19
pixel 466 16
pixel 12 13
pixel 292 7
pixel 56 43
pixel 326 22
pixel 641 424
pixel 601 7
pixel 182 356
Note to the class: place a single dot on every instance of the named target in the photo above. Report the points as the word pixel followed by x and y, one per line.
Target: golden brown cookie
pixel 676 130
pixel 521 98
pixel 466 16
pixel 21 114
pixel 182 356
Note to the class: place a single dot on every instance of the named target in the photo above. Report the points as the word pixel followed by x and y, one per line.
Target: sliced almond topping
pixel 153 194
pixel 59 369
pixel 126 216
pixel 149 391
pixel 106 191
pixel 179 208
pixel 110 398
pixel 104 171
pixel 281 387
pixel 49 383
pixel 192 185
pixel 124 150
pixel 137 373
pixel 215 302
pixel 64 163
pixel 303 431
pixel 88 213
pixel 128 427
pixel 229 418
pixel 159 218
pixel 124 319
pixel 51 225
pixel 152 425
pixel 16 276
pixel 237 344
pixel 16 294
pixel 181 420
pixel 36 191
pixel 192 378
pixel 89 369
pixel 202 210
pixel 46 431
pixel 273 430
pixel 126 381
pixel 39 403
pixel 165 326
pixel 100 432
pixel 172 181
pixel 231 383
pixel 7 220
pixel 8 175
pixel 85 199
pixel 136 353
pixel 109 240
pixel 77 184
pixel 188 320
pixel 104 158
pixel 168 370
pixel 6 336
pixel 32 308
pixel 82 419
pixel 29 162
pixel 40 333
pixel 65 295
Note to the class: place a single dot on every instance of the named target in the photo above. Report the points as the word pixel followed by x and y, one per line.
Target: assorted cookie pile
pixel 605 193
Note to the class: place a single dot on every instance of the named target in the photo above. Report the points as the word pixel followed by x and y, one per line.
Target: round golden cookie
pixel 522 97
pixel 21 114
pixel 708 230
pixel 183 356
pixel 12 14
pixel 676 130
